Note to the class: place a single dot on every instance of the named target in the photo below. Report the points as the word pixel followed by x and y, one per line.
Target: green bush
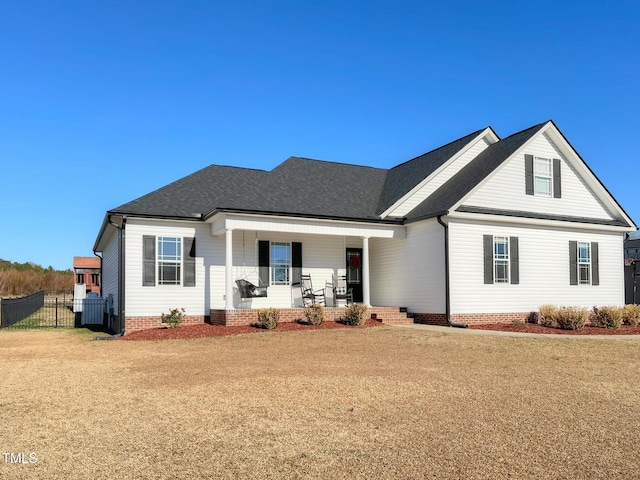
pixel 355 314
pixel 607 317
pixel 314 314
pixel 174 318
pixel 631 314
pixel 268 318
pixel 572 318
pixel 548 316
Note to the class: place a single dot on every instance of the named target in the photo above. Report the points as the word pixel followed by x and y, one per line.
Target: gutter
pixel 446 275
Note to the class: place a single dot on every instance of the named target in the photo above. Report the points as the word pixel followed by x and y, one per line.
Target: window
pixel 80 278
pixel 501 259
pixel 584 263
pixel 542 176
pixel 95 279
pixel 280 263
pixel 169 260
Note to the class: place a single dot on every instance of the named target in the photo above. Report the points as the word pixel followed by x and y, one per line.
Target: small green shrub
pixel 548 316
pixel 631 314
pixel 607 317
pixel 268 318
pixel 314 314
pixel 572 318
pixel 174 318
pixel 355 314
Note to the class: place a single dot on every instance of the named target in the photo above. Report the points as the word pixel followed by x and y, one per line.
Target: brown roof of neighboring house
pixel 86 262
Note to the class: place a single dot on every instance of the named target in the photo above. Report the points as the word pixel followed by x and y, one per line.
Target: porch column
pixel 366 297
pixel 228 270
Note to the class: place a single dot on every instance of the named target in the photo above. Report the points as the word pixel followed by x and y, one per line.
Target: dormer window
pixel 542 176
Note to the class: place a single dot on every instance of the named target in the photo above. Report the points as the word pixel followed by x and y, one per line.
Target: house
pixel 482 229
pixel 86 272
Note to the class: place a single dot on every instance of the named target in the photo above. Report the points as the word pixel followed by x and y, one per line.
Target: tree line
pixel 17 279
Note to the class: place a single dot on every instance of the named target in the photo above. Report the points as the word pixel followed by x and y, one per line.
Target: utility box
pixel 93 310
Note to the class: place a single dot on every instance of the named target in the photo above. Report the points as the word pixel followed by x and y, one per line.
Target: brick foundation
pixel 473 318
pixel 132 324
pixel 248 316
pixel 431 318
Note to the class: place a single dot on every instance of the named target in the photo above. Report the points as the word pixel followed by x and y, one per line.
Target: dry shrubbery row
pixel 15 282
pixel 574 318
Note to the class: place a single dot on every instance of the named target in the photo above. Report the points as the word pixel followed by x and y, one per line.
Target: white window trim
pixel 160 262
pixel 581 262
pixel 496 259
pixel 537 174
pixel 272 263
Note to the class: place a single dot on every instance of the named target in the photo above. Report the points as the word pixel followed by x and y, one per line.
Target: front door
pixel 354 273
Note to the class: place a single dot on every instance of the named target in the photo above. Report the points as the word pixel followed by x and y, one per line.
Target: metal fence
pixel 36 310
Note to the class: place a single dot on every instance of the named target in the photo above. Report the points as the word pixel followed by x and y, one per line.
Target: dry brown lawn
pixel 374 403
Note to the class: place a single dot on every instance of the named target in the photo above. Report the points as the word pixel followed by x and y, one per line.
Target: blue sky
pixel 102 102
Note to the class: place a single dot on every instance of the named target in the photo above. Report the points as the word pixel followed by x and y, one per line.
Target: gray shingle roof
pixel 452 191
pixel 402 178
pixel 299 186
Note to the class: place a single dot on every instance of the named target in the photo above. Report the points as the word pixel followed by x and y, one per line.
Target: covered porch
pixel 272 252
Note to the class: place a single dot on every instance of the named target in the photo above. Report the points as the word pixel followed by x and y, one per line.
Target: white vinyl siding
pixel 543 269
pixel 508 182
pixel 439 178
pixel 110 263
pixel 152 301
pixel 410 272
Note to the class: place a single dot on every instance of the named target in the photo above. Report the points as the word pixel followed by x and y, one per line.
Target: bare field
pixel 373 403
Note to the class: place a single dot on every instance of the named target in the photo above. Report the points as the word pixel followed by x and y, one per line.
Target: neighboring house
pixel 631 270
pixel 87 272
pixel 482 229
pixel 632 249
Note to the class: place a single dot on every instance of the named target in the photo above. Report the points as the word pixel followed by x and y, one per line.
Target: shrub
pixel 174 318
pixel 607 317
pixel 631 314
pixel 355 314
pixel 548 316
pixel 269 318
pixel 314 314
pixel 572 318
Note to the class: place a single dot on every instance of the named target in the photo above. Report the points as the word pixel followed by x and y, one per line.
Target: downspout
pixel 447 294
pixel 121 237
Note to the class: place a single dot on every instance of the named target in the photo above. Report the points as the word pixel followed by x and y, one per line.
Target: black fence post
pixel 56 312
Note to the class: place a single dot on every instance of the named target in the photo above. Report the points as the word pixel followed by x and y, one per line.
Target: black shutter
pixel 148 261
pixel 189 279
pixel 557 184
pixel 296 262
pixel 573 262
pixel 528 174
pixel 515 260
pixel 595 267
pixel 488 258
pixel 263 262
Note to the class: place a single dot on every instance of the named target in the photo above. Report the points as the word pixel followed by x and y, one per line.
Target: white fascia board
pixel 535 222
pixel 269 223
pixel 491 138
pixel 580 166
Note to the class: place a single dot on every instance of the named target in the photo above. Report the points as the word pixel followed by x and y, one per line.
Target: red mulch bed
pixel 535 328
pixel 205 330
